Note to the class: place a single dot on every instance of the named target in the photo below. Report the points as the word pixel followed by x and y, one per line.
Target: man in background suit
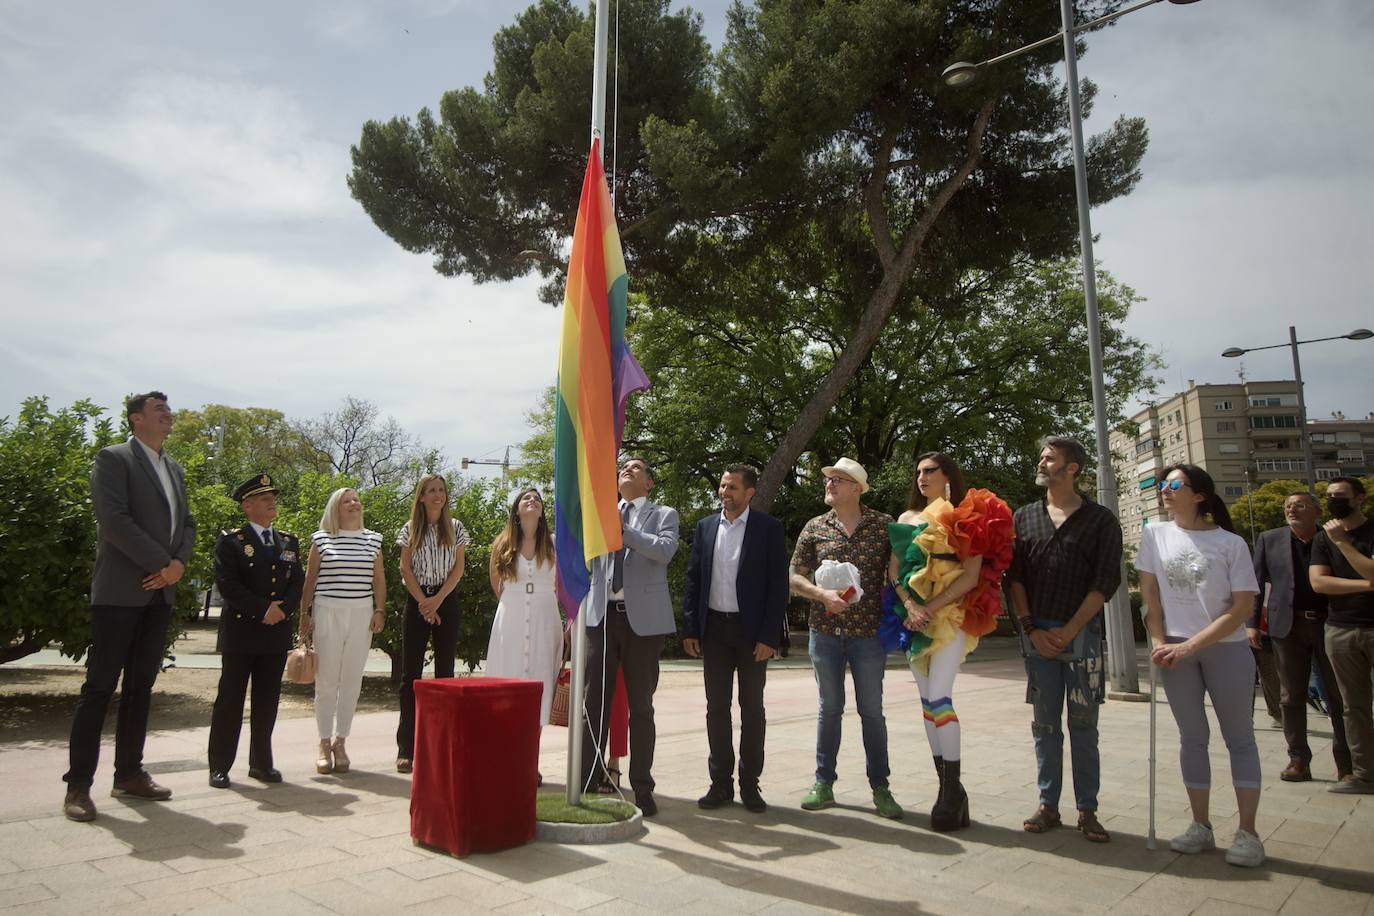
pixel 144 538
pixel 1297 621
pixel 258 571
pixel 733 606
pixel 629 611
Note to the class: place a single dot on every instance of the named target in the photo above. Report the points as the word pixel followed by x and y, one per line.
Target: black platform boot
pixel 951 811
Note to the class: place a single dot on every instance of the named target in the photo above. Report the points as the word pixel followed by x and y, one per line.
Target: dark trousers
pixel 1295 653
pixel 226 722
pixel 1351 650
pixel 725 651
pixel 128 640
pixel 1267 667
pixel 613 645
pixel 416 634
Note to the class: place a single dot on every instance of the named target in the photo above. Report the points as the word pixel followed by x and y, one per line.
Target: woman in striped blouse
pixel 344 603
pixel 431 565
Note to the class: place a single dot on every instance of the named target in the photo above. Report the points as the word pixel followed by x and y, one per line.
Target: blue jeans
pixel 867 660
pixel 1075 675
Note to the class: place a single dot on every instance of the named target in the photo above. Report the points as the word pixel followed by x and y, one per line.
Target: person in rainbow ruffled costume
pixel 949 550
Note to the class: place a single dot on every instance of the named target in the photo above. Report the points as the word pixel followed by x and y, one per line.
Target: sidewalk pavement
pixel 340 844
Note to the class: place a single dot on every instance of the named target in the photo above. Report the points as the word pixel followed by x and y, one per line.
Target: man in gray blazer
pixel 1297 621
pixel 143 542
pixel 629 611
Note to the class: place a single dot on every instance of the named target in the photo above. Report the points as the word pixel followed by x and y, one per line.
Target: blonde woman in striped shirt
pixel 344 603
pixel 431 565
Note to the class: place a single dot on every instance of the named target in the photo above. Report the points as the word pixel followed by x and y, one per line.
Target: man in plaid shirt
pixel 1067 563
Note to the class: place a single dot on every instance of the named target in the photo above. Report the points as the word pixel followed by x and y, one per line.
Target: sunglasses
pixel 1174 485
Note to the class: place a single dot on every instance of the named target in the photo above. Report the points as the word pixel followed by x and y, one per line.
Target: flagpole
pixel 577 689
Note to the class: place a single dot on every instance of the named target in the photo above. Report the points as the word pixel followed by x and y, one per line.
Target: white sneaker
pixel 1195 839
pixel 1246 850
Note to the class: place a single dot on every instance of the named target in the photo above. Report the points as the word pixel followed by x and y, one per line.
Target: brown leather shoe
pixel 140 785
pixel 1296 771
pixel 78 805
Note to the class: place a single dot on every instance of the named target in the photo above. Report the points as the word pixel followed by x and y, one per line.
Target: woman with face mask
pixel 1199 588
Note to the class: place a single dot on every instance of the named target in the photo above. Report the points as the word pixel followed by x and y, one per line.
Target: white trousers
pixel 342 641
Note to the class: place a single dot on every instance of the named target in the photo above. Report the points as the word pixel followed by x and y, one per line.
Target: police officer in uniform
pixel 258 572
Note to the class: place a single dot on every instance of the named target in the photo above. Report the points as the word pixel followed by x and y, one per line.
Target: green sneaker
pixel 887 806
pixel 820 796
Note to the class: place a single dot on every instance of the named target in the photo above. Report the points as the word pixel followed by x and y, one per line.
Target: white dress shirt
pixel 725 564
pixel 635 506
pixel 168 488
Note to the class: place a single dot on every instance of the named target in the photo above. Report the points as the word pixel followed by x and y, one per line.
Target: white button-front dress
pixel 527 634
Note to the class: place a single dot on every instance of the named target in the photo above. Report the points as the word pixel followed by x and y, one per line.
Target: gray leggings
pixel 1226 671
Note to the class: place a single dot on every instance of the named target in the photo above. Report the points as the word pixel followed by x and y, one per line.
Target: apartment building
pixel 1242 434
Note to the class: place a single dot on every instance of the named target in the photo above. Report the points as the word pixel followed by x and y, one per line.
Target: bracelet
pixel 381 611
pixel 1027 624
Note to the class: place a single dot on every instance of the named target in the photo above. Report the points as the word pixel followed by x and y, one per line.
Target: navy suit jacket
pixel 761 585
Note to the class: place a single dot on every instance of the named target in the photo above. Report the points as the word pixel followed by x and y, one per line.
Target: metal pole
pixel 599 74
pixel 1302 414
pixel 1121 667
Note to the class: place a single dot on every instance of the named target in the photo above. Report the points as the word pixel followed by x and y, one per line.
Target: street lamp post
pixel 1303 438
pixel 1121 659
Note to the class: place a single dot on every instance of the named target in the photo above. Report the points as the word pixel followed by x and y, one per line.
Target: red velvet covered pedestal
pixel 476 763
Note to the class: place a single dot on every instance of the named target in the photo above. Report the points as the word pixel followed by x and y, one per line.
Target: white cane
pixel 1150 840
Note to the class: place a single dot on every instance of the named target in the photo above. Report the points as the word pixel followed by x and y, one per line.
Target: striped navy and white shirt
pixel 347 560
pixel 432 563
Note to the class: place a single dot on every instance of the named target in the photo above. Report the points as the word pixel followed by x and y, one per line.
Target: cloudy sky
pixel 173 210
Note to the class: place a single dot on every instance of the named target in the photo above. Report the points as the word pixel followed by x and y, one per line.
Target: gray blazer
pixel 1274 564
pixel 133 536
pixel 652 541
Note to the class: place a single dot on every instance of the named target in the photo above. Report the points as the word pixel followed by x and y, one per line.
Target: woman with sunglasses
pixel 949 550
pixel 1199 588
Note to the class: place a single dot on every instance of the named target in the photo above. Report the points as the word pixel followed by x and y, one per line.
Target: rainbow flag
pixel 596 375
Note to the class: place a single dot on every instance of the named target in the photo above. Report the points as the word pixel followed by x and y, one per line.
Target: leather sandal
pixel 611 786
pixel 1092 828
pixel 1043 820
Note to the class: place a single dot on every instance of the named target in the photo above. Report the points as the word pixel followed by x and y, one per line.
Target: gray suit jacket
pixel 134 538
pixel 652 541
pixel 1274 564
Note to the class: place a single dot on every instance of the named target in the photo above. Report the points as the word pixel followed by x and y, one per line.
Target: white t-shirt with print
pixel 1197 573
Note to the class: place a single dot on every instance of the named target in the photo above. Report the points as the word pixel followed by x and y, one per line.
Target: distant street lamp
pixel 1120 630
pixel 1293 343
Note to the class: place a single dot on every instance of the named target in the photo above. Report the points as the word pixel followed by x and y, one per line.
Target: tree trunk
pixel 898 268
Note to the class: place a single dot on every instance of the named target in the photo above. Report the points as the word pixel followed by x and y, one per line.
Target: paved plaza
pixel 340 844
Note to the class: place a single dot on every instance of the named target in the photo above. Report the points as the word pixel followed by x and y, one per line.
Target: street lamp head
pixel 1360 334
pixel 1182 2
pixel 960 74
pixel 1234 351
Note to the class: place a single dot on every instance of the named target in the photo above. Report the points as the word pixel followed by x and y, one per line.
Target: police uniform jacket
pixel 250 577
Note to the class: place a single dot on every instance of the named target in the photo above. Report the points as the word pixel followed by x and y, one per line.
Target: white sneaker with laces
pixel 1195 839
pixel 1246 850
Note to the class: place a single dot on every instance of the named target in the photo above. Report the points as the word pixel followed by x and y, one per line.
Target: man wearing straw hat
pixel 844 628
pixel 258 572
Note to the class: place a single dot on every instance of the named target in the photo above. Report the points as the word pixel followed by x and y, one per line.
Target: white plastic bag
pixel 840 577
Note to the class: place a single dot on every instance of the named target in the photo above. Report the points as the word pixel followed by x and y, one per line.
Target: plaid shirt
pixel 824 538
pixel 1060 566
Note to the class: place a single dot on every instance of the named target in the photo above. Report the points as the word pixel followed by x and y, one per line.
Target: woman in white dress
pixel 527 634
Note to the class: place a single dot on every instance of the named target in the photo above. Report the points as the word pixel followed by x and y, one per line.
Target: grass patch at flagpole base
pixel 553 808
pixel 596 820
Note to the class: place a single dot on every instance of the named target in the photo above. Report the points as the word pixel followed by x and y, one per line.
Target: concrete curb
pixel 587 834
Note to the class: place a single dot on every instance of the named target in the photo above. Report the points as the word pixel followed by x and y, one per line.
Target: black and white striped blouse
pixel 431 562
pixel 347 560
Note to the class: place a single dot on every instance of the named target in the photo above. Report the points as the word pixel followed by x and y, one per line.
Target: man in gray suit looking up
pixel 143 541
pixel 1297 621
pixel 629 611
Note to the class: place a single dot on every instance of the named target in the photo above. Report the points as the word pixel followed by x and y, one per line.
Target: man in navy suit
pixel 733 605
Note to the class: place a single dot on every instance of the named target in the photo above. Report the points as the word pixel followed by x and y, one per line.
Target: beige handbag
pixel 558 710
pixel 300 665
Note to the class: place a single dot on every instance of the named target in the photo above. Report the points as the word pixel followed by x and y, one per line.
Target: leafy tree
pixel 817 163
pixel 47 528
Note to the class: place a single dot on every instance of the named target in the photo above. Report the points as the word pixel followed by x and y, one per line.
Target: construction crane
pixel 503 464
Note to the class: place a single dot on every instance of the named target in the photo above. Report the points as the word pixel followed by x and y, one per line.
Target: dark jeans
pixel 226 722
pixel 416 634
pixel 1075 676
pixel 1295 653
pixel 725 651
pixel 128 640
pixel 614 644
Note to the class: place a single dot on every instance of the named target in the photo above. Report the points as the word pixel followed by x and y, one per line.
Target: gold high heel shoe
pixel 324 764
pixel 341 761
